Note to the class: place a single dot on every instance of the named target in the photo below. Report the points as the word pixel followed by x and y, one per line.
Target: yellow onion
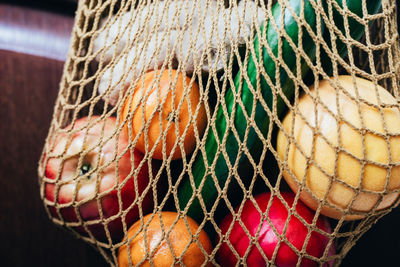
pixel 343 150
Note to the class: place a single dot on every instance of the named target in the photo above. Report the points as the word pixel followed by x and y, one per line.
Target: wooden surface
pixel 29 81
pixel 34 32
pixel 33 44
pixel 28 238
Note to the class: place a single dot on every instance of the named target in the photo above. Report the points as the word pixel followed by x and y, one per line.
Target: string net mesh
pixel 209 132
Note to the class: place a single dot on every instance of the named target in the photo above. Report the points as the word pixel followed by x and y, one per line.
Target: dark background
pixel 34 39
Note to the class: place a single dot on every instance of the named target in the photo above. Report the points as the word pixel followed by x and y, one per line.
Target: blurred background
pixel 34 41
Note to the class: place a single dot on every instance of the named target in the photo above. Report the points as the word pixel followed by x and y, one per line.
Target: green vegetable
pixel 201 178
pixel 209 192
pixel 356 29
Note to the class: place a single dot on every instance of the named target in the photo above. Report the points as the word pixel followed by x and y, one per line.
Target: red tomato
pixel 296 233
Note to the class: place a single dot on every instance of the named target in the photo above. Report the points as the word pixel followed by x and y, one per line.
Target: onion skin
pixel 335 135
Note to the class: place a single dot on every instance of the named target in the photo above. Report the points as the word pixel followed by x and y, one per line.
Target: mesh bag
pixel 208 132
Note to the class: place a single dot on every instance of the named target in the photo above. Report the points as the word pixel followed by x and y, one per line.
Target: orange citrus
pixel 164 114
pixel 181 241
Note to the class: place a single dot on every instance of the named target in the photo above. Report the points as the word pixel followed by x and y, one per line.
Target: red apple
pixel 83 191
pixel 295 233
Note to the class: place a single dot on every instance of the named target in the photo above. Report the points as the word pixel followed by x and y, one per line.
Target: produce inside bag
pixel 225 133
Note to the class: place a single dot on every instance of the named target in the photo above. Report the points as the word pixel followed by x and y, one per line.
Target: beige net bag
pixel 209 132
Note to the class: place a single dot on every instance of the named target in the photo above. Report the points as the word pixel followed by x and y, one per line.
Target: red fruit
pixel 296 233
pixel 80 190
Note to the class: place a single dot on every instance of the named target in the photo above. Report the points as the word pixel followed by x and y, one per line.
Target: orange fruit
pixel 156 106
pixel 179 235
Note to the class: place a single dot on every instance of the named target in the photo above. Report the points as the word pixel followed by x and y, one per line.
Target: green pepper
pixel 232 139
